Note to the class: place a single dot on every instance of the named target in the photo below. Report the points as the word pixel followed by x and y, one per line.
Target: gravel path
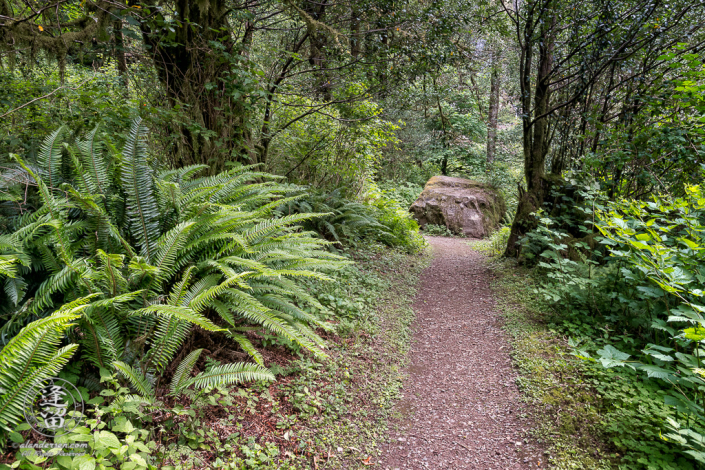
pixel 461 407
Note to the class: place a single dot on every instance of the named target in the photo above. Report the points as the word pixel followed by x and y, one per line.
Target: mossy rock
pixel 466 207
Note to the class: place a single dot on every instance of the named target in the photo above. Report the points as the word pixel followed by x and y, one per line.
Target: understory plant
pixel 636 303
pixel 661 243
pixel 376 218
pixel 140 257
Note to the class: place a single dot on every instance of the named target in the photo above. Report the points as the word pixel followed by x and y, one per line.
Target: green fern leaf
pixel 137 183
pixel 49 156
pixel 182 313
pixel 181 376
pixel 230 374
pixel 138 381
pixel 96 174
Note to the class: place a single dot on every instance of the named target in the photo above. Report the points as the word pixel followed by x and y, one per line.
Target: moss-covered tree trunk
pixel 120 58
pixel 193 74
pixel 535 127
pixel 493 109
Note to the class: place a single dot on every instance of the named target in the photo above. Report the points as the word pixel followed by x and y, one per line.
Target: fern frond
pixel 96 174
pixel 166 340
pixel 230 374
pixel 12 406
pixel 249 308
pixel 276 302
pixel 248 347
pixel 168 249
pixel 178 292
pixel 31 357
pixel 137 183
pixel 224 311
pixel 15 289
pixel 59 282
pixel 199 286
pixel 102 219
pixel 268 227
pixel 182 174
pixel 49 156
pixel 209 295
pixel 182 313
pixel 138 381
pixel 181 376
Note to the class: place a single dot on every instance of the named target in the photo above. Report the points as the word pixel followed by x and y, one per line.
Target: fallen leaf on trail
pixel 367 461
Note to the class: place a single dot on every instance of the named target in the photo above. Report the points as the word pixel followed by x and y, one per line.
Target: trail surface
pixel 461 407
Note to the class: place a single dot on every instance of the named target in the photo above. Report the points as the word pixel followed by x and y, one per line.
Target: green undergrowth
pixel 342 406
pixel 585 416
pixel 327 413
pixel 566 409
pixel 439 231
pixel 321 413
pixel 564 404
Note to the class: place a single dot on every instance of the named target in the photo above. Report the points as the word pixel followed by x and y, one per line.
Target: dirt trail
pixel 461 407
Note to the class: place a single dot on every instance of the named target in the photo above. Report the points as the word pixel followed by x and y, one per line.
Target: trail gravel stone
pixel 461 408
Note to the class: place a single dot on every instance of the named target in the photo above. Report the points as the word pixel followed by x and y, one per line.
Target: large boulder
pixel 464 206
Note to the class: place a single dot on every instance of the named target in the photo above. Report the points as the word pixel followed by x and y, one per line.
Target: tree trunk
pixel 493 111
pixel 120 52
pixel 355 33
pixel 534 129
pixel 196 79
pixel 318 50
pixel 265 131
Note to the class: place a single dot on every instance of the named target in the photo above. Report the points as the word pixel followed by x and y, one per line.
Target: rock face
pixel 466 207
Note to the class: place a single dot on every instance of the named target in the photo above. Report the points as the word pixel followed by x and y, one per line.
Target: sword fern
pixel 151 256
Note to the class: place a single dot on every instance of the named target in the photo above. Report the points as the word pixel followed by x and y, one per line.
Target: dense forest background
pixel 173 172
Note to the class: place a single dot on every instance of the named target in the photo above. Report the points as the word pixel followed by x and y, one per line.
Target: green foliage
pixel 378 219
pixel 352 297
pixel 114 436
pixel 498 241
pixel 438 230
pixel 404 193
pixel 31 357
pixel 339 150
pixel 639 309
pixel 403 228
pixel 661 147
pixel 86 99
pixel 146 256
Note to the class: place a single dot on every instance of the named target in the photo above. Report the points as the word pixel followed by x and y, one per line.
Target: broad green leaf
pixel 109 439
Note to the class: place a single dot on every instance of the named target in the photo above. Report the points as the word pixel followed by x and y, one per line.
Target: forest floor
pixel 461 406
pixel 446 362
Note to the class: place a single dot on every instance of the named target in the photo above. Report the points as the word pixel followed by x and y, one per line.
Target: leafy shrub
pixel 377 219
pixel 498 241
pixel 337 150
pixel 146 256
pixel 113 437
pixel 641 308
pixel 404 193
pixel 86 99
pixel 404 229
pixel 437 230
